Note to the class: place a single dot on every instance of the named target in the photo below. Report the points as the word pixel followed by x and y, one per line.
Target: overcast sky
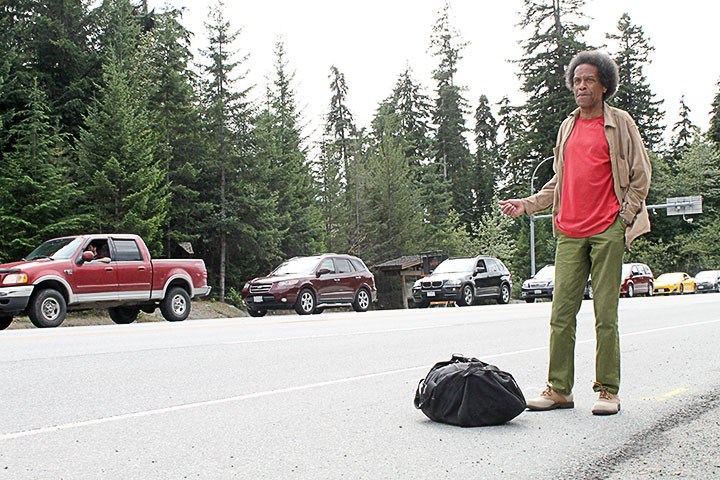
pixel 372 41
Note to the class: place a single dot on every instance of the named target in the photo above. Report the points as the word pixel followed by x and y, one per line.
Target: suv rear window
pixel 342 265
pixel 359 266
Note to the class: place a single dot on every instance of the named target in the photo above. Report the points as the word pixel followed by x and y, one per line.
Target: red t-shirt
pixel 588 204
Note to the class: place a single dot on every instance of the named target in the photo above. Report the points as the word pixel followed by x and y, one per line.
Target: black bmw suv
pixel 464 281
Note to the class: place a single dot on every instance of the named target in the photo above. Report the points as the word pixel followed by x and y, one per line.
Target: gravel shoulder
pixel 199 310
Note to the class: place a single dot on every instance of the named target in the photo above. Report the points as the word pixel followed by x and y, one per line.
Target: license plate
pixel 700 287
pixel 430 294
pixel 538 292
pixel 257 299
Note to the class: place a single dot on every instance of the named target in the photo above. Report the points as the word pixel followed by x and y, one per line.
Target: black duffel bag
pixel 469 393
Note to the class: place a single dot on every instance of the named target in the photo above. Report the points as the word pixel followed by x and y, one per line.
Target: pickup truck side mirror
pixel 87 256
pixel 322 271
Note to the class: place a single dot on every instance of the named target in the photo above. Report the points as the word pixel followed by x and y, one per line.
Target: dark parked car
pixel 637 278
pixel 464 281
pixel 707 281
pixel 542 285
pixel 311 284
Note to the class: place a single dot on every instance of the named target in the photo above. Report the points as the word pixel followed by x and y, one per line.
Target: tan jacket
pixel 631 172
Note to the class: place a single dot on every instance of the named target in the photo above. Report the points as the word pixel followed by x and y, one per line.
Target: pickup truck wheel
pixel 123 315
pixel 260 312
pixel 362 301
pixel 47 308
pixel 305 304
pixel 175 307
pixel 5 321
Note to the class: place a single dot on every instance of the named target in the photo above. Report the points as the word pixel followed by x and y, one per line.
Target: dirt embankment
pixel 199 310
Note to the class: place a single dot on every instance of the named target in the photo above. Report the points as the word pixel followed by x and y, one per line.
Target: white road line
pixel 159 411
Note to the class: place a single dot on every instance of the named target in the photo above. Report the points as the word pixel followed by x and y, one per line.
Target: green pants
pixel 600 256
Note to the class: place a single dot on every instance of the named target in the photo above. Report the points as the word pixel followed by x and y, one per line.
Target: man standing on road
pixel 602 177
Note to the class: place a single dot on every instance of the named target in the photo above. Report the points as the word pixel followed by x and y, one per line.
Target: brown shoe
pixel 607 404
pixel 549 399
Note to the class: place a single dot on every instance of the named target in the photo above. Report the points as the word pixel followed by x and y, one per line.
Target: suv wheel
pixel 631 290
pixel 260 312
pixel 467 295
pixel 504 296
pixel 362 301
pixel 305 304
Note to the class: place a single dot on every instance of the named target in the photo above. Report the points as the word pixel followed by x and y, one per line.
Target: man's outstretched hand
pixel 512 207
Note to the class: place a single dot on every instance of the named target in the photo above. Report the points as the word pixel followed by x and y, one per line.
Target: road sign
pixel 684 205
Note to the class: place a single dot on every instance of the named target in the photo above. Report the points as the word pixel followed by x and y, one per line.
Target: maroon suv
pixel 310 284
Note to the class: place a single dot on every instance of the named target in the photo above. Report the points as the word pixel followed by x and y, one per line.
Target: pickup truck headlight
pixel 287 283
pixel 15 278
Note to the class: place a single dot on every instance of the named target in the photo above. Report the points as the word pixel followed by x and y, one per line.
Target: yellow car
pixel 676 282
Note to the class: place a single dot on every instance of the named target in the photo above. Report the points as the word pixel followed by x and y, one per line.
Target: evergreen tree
pixel 451 151
pixel 513 150
pixel 124 182
pixel 39 201
pixel 227 112
pixel 340 176
pixel 493 235
pixel 413 110
pixel 684 131
pixel 390 230
pixel 487 161
pixel 634 94
pixel 714 131
pixel 177 121
pixel 64 59
pixel 299 213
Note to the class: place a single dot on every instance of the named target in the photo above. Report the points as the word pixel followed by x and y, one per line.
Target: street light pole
pixel 532 219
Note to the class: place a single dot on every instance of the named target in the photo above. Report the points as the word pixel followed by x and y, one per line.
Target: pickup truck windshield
pixel 58 249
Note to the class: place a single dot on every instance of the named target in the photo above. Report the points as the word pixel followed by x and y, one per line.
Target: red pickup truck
pixel 98 271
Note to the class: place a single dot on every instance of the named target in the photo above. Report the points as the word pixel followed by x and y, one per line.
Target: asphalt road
pixel 330 396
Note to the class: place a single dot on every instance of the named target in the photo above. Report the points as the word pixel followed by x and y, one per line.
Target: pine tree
pixel 39 201
pixel 299 213
pixel 123 180
pixel 514 151
pixel 177 121
pixel 714 131
pixel 64 60
pixel 227 113
pixel 392 227
pixel 487 161
pixel 340 174
pixel 684 131
pixel 413 109
pixel 451 153
pixel 634 94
